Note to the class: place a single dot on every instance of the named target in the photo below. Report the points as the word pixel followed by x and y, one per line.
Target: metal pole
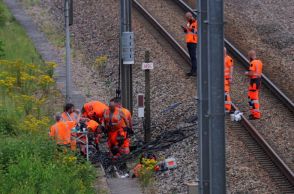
pixel 67 45
pixel 126 70
pixel 147 122
pixel 202 75
pixel 216 96
pixel 87 146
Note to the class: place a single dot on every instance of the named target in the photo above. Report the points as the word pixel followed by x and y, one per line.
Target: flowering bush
pixel 146 173
pixel 33 165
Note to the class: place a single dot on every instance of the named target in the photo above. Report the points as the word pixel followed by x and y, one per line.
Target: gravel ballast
pixel 95 34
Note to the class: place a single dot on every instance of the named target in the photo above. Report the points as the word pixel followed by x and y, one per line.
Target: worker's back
pixel 61 131
pixel 94 109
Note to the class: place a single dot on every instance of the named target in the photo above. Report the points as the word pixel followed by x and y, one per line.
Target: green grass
pixel 29 160
pixel 16 43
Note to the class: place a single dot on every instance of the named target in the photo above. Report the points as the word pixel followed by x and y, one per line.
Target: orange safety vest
pixel 94 109
pixel 256 68
pixel 113 121
pixel 128 116
pixel 228 67
pixel 61 131
pixel 191 34
pixel 69 117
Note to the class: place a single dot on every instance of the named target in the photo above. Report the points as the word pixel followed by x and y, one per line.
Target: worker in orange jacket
pixel 191 39
pixel 69 113
pixel 228 75
pixel 61 131
pixel 254 73
pixel 118 141
pixel 128 116
pixel 94 110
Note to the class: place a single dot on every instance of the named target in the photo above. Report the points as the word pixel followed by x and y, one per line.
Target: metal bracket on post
pixel 128 48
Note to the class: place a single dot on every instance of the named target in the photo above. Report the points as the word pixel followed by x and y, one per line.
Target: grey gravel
pixel 95 34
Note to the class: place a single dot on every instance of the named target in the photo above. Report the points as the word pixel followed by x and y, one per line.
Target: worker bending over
pixel 118 141
pixel 254 73
pixel 191 39
pixel 228 75
pixel 94 110
pixel 61 131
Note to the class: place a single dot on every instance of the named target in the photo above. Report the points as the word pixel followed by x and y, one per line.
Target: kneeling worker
pixel 61 131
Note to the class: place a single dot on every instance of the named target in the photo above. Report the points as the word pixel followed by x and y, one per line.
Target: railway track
pixel 262 150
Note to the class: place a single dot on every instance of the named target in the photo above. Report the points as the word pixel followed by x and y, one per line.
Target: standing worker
pixel 228 75
pixel 61 131
pixel 118 141
pixel 254 73
pixel 69 113
pixel 191 40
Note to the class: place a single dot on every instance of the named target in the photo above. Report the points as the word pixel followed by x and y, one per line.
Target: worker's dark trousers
pixel 192 52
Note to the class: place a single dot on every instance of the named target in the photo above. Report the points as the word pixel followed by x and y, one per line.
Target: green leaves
pixel 33 165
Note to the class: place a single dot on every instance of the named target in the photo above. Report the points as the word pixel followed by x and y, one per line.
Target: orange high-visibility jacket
pixel 69 117
pixel 128 116
pixel 114 121
pixel 94 109
pixel 191 34
pixel 228 67
pixel 61 132
pixel 256 68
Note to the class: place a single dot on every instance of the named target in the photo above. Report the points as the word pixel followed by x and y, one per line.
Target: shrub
pixel 7 126
pixel 147 175
pixel 3 15
pixel 35 166
pixel 2 53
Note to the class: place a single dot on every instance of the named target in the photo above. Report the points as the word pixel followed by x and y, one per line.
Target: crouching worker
pixel 118 141
pixel 61 131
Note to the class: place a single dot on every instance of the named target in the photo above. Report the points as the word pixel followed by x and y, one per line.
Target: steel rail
pixel 162 31
pixel 277 160
pixel 286 171
pixel 244 61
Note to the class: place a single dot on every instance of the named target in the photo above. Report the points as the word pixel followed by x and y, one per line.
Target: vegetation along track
pixel 278 165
